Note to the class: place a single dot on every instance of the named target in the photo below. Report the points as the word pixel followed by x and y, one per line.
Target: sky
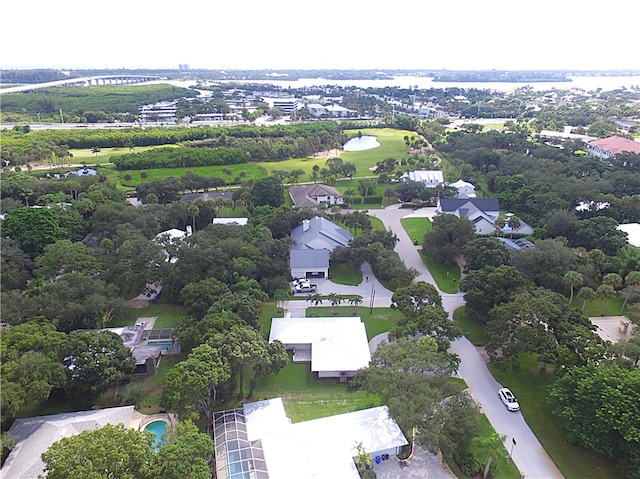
pixel 321 34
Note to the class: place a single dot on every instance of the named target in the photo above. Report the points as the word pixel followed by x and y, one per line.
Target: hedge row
pixel 180 158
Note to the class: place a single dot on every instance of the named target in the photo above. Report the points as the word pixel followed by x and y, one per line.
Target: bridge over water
pixel 84 81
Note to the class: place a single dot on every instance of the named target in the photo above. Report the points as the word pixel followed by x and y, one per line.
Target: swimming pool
pixel 165 344
pixel 157 428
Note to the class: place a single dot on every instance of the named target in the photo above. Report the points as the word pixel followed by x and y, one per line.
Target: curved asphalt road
pixel 528 454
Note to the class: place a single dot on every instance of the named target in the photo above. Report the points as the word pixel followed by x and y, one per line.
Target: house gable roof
pixel 311 259
pixel 469 205
pixel 320 234
pixel 307 195
pixel 616 144
pixel 35 435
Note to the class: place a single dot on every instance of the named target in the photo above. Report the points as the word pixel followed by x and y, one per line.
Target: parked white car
pixel 303 286
pixel 508 399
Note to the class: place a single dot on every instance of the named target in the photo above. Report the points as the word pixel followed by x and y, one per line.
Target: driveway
pixel 528 454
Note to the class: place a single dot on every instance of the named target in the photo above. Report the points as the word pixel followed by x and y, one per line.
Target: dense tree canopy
pixel 445 241
pixel 33 228
pixel 94 361
pixel 112 451
pixel 600 404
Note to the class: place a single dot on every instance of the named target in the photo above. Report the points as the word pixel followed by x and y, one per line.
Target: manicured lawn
pixel 377 224
pixel 596 307
pixel 530 386
pixel 380 320
pixel 84 155
pixel 167 314
pixel 268 311
pixel 306 397
pixel 416 228
pixel 342 273
pixel 471 329
pixel 447 277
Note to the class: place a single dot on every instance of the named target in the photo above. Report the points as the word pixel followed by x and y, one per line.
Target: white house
pixel 333 110
pixel 259 441
pixel 313 195
pixel 483 212
pixel 431 179
pixel 336 347
pixel 170 240
pixel 231 221
pixel 633 233
pixel 465 189
pixel 607 147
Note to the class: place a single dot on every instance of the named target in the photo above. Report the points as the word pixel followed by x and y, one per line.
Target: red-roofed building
pixel 608 147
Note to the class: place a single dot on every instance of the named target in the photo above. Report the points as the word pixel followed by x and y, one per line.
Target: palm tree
pixel 605 292
pixel 585 294
pixel 315 298
pixel 573 279
pixel 348 196
pixel 280 296
pixel 95 150
pixel 494 445
pixel 514 223
pixel 632 282
pixel 193 211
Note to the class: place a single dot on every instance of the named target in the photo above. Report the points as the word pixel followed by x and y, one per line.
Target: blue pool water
pixel 165 344
pixel 157 428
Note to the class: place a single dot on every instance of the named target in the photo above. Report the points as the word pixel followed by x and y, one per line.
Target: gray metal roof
pixel 312 259
pixel 321 234
pixel 34 435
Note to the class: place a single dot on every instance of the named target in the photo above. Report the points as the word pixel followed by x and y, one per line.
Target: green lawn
pixel 447 277
pixel 342 273
pixel 306 397
pixel 472 330
pixel 377 224
pixel 151 385
pixel 530 386
pixel 167 314
pixel 416 228
pixel 596 307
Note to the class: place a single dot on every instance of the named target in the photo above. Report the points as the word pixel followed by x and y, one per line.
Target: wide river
pixel 588 83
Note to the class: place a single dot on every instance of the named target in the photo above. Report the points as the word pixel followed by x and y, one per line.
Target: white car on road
pixel 508 399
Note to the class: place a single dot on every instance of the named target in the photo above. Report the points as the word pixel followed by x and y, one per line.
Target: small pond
pixel 80 172
pixel 361 143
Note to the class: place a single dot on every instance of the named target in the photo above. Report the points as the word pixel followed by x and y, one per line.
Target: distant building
pixel 633 233
pixel 431 179
pixel 183 67
pixel 285 105
pixel 313 195
pixel 609 147
pixel 333 110
pixel 464 188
